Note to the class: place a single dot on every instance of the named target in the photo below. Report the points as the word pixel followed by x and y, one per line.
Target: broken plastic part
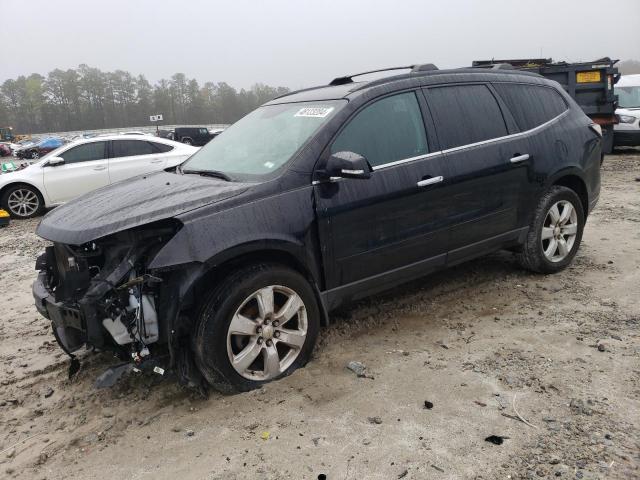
pixel 112 374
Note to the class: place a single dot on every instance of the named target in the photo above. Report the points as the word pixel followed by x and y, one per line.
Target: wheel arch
pixel 6 187
pixel 575 182
pixel 218 268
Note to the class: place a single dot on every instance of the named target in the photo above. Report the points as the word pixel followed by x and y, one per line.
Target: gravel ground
pixel 550 363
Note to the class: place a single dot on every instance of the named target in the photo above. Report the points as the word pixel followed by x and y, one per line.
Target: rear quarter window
pixel 465 114
pixel 161 147
pixel 531 105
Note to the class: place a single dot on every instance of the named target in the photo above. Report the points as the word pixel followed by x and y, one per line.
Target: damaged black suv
pixel 228 265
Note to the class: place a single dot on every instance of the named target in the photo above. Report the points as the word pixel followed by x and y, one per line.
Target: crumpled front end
pixel 101 295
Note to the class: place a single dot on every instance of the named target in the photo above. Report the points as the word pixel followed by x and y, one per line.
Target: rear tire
pixel 555 232
pixel 22 201
pixel 260 324
pixel 187 141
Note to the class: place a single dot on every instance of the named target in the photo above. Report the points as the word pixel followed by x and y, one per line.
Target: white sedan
pixel 85 165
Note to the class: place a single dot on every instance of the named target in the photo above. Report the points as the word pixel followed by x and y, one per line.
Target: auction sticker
pixel 318 112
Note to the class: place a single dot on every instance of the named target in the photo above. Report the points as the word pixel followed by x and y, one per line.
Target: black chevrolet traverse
pixel 230 264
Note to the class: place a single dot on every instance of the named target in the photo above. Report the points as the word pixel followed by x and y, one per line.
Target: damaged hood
pixel 131 203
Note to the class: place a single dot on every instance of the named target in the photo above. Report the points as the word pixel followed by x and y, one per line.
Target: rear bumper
pixel 67 320
pixel 626 138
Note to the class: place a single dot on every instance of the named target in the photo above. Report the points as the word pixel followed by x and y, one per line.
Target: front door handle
pixel 519 158
pixel 430 181
pixel 102 167
pixel 156 161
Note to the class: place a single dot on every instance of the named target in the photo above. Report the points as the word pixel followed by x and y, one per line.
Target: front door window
pixel 389 130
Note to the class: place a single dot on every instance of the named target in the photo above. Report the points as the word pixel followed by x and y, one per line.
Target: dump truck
pixel 590 84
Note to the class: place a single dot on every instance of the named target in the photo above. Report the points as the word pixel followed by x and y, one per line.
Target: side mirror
pixel 55 161
pixel 347 165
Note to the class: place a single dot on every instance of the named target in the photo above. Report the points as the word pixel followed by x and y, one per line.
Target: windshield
pixel 263 141
pixel 628 97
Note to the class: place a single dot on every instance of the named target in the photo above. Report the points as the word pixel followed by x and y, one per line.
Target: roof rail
pixel 495 66
pixel 514 62
pixel 414 68
pixel 424 67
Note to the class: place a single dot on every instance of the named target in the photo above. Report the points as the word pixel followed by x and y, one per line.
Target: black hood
pixel 132 203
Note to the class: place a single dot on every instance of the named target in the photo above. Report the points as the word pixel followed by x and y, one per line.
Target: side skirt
pixel 384 281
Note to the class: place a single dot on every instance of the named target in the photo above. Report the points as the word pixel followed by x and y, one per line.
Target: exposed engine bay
pixel 102 296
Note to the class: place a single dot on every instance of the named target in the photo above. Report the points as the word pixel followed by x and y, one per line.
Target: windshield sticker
pixel 318 112
pixel 269 165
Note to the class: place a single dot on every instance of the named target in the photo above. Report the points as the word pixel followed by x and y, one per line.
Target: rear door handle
pixel 102 167
pixel 519 158
pixel 156 161
pixel 430 181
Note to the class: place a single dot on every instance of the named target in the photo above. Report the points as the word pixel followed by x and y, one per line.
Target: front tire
pixel 260 324
pixel 22 201
pixel 555 232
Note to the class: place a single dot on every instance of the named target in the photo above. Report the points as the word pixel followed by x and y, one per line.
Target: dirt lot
pixel 484 342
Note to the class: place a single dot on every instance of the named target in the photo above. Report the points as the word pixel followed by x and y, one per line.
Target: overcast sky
pixel 297 43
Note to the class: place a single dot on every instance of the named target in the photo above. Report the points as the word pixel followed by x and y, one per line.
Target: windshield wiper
pixel 208 173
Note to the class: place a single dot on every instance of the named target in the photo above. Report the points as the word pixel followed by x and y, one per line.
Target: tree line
pixel 87 98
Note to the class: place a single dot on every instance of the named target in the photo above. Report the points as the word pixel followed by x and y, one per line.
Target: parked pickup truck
pixel 590 84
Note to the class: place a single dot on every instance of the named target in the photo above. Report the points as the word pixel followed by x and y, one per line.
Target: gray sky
pixel 297 43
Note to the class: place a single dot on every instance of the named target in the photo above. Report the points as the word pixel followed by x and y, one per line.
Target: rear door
pixel 377 231
pixel 535 109
pixel 483 180
pixel 131 157
pixel 84 169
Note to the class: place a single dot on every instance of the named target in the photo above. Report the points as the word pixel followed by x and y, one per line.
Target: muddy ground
pixel 484 342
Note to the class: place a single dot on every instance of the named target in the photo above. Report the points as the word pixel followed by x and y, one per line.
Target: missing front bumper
pixel 67 321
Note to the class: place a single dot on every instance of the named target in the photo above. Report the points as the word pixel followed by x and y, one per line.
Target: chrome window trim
pixel 470 145
pixel 476 144
pixel 406 160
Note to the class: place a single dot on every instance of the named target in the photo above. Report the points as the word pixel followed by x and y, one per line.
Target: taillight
pixel 596 128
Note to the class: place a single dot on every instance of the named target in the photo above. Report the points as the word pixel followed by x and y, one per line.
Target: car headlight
pixel 626 119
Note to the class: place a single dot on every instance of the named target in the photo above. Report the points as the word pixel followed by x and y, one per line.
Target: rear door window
pixel 131 148
pixel 386 131
pixel 465 114
pixel 85 152
pixel 531 105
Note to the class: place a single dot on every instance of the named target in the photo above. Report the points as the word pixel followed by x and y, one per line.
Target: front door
pixel 391 221
pixel 84 169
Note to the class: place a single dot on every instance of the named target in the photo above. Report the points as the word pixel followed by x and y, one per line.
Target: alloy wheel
pixel 35 155
pixel 559 231
pixel 23 202
pixel 267 333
